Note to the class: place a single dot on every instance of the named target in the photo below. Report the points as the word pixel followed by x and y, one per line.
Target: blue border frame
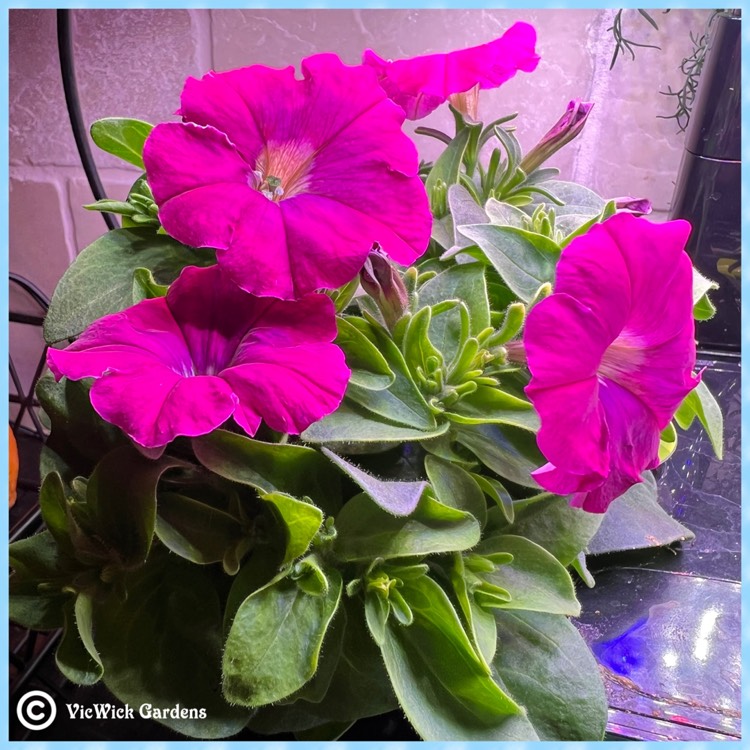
pixel 391 4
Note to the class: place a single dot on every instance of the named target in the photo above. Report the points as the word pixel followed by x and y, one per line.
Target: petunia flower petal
pixel 288 388
pixel 634 447
pixel 184 363
pixel 142 335
pixel 611 354
pixel 273 143
pixel 154 405
pixel 421 84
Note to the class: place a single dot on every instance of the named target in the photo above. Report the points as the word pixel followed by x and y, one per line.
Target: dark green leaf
pixel 100 280
pixel 549 669
pixel 636 520
pixel 162 645
pixel 365 531
pixel 271 467
pixel 36 560
pixel 145 286
pixel 122 137
pixel 495 490
pixel 274 643
pixel 79 437
pixel 398 498
pixel 196 531
pixel 53 505
pixel 76 655
pixel 455 487
pixel 122 494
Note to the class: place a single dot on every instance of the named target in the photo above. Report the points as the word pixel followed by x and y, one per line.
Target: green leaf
pixel 100 280
pixel 466 283
pixel 145 286
pixel 548 668
pixel 637 521
pixel 112 207
pixel 704 309
pixel 504 214
pixel 701 286
pixel 274 643
pixel 700 402
pixel 525 260
pixel 122 137
pixel 448 165
pixel 495 490
pixel 301 521
pixel 455 487
pixel 535 579
pixel 667 442
pixel 509 451
pixel 577 198
pixel 350 425
pixel 366 531
pixel 369 367
pixel 358 688
pixel 552 523
pixel 76 655
pixel 463 210
pixel 398 498
pixel 163 643
pixel 444 688
pixel 491 405
pixel 122 494
pixel 194 530
pixel 401 402
pixel 271 467
pixel 481 622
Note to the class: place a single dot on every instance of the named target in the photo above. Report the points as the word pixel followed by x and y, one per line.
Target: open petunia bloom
pixel 291 180
pixel 611 354
pixel 183 364
pixel 421 84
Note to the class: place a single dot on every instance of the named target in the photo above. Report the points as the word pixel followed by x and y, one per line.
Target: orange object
pixel 13 466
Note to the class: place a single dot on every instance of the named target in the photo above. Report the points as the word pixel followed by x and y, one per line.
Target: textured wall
pixel 133 63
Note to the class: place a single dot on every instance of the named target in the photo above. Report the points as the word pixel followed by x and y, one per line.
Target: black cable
pixel 67 69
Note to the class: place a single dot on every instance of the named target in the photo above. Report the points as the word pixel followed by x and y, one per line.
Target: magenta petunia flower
pixel 611 354
pixel 183 364
pixel 291 180
pixel 421 84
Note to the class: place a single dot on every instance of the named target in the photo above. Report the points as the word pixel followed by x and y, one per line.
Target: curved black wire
pixel 67 69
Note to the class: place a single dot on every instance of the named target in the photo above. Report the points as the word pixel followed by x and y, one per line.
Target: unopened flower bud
pixel 467 103
pixel 439 199
pixel 384 284
pixel 637 206
pixel 562 132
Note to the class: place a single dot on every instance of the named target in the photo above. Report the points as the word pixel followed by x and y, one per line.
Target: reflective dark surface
pixel 664 624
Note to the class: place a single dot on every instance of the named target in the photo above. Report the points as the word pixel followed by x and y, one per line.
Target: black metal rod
pixel 67 69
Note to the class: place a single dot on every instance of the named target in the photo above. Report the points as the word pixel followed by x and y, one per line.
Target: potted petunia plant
pixel 331 429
